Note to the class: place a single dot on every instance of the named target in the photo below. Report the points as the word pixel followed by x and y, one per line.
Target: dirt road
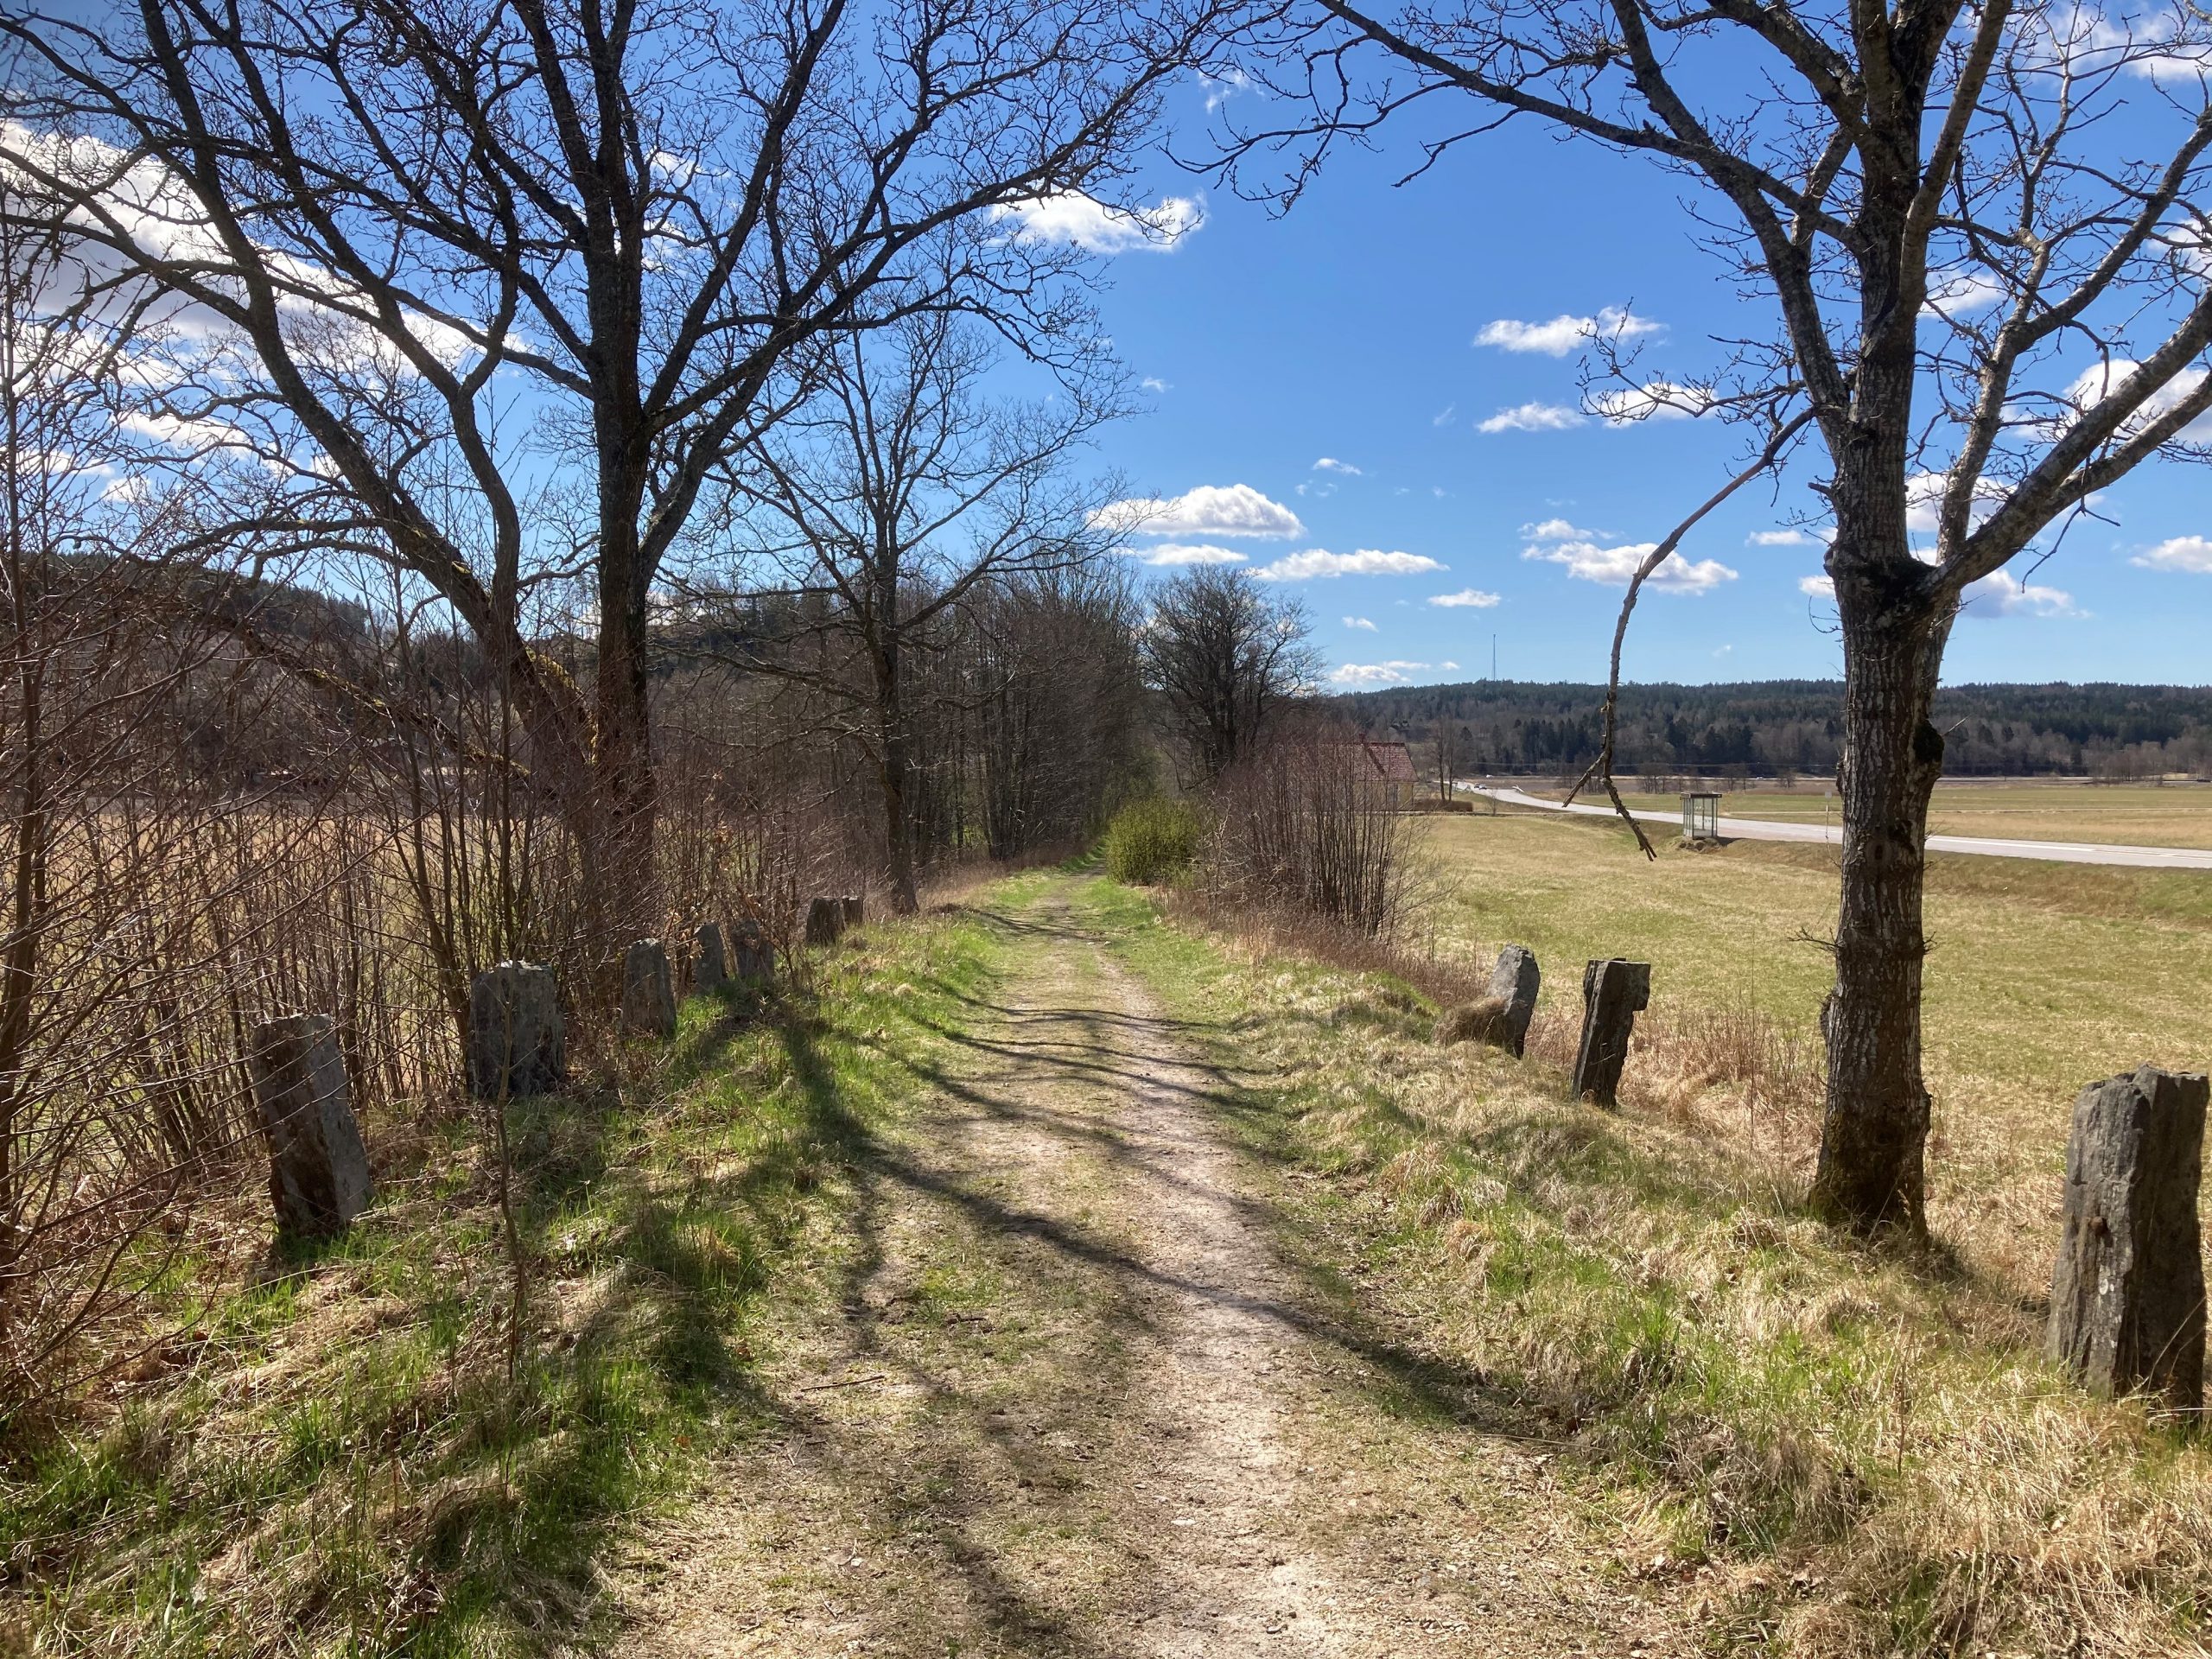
pixel 1071 1401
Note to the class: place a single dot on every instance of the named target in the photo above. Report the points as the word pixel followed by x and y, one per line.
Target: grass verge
pixel 333 1461
pixel 1856 1453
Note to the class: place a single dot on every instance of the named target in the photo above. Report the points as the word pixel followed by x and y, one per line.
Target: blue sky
pixel 1347 333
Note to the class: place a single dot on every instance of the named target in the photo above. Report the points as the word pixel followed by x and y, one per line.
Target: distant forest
pixel 1791 727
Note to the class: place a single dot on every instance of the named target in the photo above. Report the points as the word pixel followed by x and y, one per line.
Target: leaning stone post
pixel 318 1173
pixel 1514 976
pixel 2128 1293
pixel 854 907
pixel 756 956
pixel 825 921
pixel 710 966
pixel 516 1044
pixel 648 993
pixel 1614 993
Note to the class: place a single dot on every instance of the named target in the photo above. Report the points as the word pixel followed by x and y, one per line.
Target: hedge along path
pixel 1070 1401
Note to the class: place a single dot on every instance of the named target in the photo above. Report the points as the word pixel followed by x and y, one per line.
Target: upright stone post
pixel 648 992
pixel 516 1044
pixel 318 1171
pixel 854 905
pixel 2128 1293
pixel 710 965
pixel 1614 993
pixel 825 921
pixel 756 956
pixel 1514 976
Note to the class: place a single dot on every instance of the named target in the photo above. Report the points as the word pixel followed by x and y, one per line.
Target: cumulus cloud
pixel 1210 510
pixel 2189 553
pixel 2097 382
pixel 2003 594
pixel 1083 221
pixel 1556 530
pixel 1565 334
pixel 1614 566
pixel 1532 417
pixel 1960 293
pixel 1923 500
pixel 1319 561
pixel 1391 673
pixel 1785 539
pixel 1817 587
pixel 1466 597
pixel 1359 622
pixel 1178 553
pixel 1330 464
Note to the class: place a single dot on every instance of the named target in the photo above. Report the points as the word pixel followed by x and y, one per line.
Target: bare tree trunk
pixel 1871 1172
pixel 896 761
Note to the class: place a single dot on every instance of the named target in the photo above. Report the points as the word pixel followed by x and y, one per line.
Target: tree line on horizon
pixel 1792 728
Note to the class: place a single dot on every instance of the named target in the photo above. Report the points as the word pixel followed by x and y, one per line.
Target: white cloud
pixel 1785 539
pixel 1655 400
pixel 1556 530
pixel 1565 334
pixel 1443 417
pixel 1474 597
pixel 1319 561
pixel 1532 417
pixel 1817 587
pixel 1210 510
pixel 1173 553
pixel 1614 566
pixel 2189 553
pixel 1085 222
pixel 2003 594
pixel 2099 381
pixel 1392 673
pixel 1960 293
pixel 1359 622
pixel 1923 500
pixel 1330 464
pixel 1153 383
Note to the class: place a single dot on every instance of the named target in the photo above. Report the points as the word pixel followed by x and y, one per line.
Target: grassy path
pixel 1070 1399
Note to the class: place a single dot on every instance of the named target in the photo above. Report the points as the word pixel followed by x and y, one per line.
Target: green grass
pixel 337 1463
pixel 1860 1451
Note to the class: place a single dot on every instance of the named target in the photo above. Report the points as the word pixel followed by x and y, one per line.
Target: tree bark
pixel 1871 1175
pixel 895 759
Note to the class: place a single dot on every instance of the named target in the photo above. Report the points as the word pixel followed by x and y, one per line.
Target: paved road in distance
pixel 2056 852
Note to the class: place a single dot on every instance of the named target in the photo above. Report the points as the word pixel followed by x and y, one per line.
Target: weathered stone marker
pixel 710 966
pixel 515 1044
pixel 2128 1293
pixel 1514 976
pixel 854 907
pixel 1614 993
pixel 825 921
pixel 756 957
pixel 648 992
pixel 318 1173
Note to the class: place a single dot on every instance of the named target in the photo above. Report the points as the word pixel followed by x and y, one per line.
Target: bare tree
pixel 1225 656
pixel 496 288
pixel 1978 232
pixel 899 493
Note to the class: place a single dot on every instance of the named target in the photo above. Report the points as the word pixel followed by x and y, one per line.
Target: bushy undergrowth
pixel 1861 1451
pixel 333 1459
pixel 1154 840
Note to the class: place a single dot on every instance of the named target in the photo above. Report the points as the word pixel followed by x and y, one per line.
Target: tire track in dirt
pixel 1141 1438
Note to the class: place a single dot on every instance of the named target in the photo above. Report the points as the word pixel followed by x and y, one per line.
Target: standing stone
pixel 318 1173
pixel 756 957
pixel 515 1038
pixel 825 921
pixel 1614 993
pixel 1514 976
pixel 710 966
pixel 854 905
pixel 2127 1294
pixel 648 992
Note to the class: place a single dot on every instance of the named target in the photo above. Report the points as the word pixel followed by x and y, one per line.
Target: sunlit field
pixel 2139 815
pixel 2040 978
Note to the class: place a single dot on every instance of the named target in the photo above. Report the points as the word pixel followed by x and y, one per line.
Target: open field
pixel 2040 978
pixel 2134 815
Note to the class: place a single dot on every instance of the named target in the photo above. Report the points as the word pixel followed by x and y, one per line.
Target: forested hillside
pixel 1778 726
